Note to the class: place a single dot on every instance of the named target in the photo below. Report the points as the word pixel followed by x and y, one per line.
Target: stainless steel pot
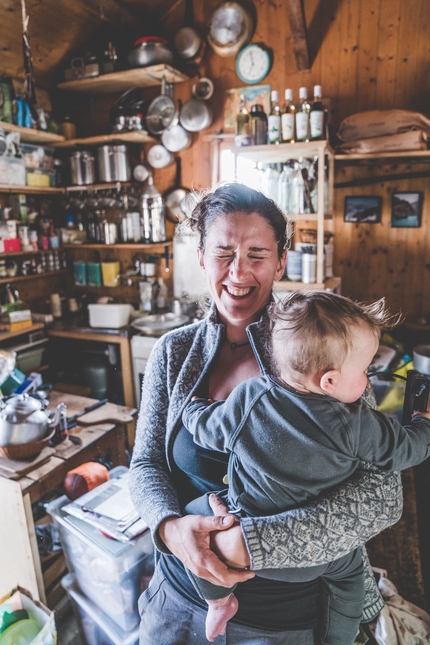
pixel 159 157
pixel 82 168
pixel 421 356
pixel 23 419
pixel 113 164
pixel 195 115
pixel 150 50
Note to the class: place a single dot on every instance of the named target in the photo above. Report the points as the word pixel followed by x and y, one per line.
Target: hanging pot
pixel 195 115
pixel 161 112
pixel 159 157
pixel 174 197
pixel 189 44
pixel 150 50
pixel 176 138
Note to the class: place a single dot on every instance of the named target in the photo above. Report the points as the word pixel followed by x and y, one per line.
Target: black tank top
pixel 264 604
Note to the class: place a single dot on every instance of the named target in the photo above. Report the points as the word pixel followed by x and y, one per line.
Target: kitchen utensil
pixel 82 168
pixel 203 89
pixel 113 164
pixel 111 316
pixel 108 413
pixel 72 421
pixel 421 356
pixel 154 324
pixel 176 138
pixel 141 172
pixel 174 197
pixel 230 27
pixel 23 419
pixel 195 115
pixel 28 450
pixel 161 111
pixel 160 157
pixel 152 214
pixel 188 42
pixel 150 50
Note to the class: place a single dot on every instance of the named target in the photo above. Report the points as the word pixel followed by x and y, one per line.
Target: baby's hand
pixel 425 414
pixel 194 398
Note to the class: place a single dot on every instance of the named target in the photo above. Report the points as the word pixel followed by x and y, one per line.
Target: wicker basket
pixel 25 450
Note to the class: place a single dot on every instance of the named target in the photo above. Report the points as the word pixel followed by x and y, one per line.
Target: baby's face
pixel 353 373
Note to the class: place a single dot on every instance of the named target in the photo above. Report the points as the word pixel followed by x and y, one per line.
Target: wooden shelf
pixel 274 153
pixel 38 190
pixel 24 330
pixel 410 155
pixel 94 187
pixel 331 284
pixel 124 80
pixel 4 256
pixel 29 135
pixel 116 137
pixel 20 278
pixel 157 247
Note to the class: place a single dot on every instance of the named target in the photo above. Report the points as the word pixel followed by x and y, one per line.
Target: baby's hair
pixel 313 330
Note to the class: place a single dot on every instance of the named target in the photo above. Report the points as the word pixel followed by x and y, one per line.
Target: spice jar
pixel 258 125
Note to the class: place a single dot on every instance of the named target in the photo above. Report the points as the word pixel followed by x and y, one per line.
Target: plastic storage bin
pixel 111 316
pixel 111 574
pixel 97 628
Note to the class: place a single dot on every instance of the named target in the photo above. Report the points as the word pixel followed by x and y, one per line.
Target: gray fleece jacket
pixel 318 533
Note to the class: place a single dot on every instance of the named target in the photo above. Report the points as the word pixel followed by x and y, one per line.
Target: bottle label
pixel 287 126
pixel 302 125
pixel 317 124
pixel 274 128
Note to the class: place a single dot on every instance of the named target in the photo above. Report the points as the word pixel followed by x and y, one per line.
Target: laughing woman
pixel 242 250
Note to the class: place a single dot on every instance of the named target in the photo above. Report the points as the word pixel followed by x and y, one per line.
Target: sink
pixel 156 323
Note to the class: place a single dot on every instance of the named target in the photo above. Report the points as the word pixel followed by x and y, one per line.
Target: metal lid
pixel 23 404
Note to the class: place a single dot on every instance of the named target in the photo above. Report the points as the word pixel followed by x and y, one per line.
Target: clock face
pixel 252 64
pixel 227 24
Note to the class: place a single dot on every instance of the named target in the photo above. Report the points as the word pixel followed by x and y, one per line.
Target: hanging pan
pixel 161 112
pixel 195 115
pixel 174 198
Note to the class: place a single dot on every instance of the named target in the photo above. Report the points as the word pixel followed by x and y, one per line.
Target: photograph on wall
pixel 406 209
pixel 362 210
pixel 255 94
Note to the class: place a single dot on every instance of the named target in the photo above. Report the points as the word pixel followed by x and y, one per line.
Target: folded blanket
pixel 378 123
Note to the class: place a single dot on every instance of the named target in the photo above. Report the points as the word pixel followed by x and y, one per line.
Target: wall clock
pixel 230 28
pixel 253 64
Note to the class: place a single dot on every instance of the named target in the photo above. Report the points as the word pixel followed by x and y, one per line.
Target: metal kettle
pixel 23 419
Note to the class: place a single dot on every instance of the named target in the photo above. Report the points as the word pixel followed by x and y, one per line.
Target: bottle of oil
pixel 288 118
pixel 274 120
pixel 317 115
pixel 243 133
pixel 302 116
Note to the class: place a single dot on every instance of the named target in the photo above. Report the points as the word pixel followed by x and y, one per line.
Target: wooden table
pixel 20 562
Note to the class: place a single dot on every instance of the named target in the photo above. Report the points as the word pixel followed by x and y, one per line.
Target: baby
pixel 294 436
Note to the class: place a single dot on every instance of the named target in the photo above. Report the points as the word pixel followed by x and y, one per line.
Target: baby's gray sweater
pixel 321 532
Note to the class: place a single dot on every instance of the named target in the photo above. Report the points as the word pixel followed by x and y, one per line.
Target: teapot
pixel 23 419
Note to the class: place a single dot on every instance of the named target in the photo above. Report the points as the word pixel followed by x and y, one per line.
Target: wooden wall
pixel 367 54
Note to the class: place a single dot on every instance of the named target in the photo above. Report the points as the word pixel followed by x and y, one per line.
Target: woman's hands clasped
pixel 190 539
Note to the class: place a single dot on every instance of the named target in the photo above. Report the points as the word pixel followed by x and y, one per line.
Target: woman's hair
pixel 229 199
pixel 312 331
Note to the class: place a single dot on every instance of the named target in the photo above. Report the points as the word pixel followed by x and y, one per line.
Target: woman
pixel 242 250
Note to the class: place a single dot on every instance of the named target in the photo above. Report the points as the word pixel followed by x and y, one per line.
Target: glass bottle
pixel 270 182
pixel 258 125
pixel 284 192
pixel 274 120
pixel 317 115
pixel 288 118
pixel 243 136
pixel 297 201
pixel 302 116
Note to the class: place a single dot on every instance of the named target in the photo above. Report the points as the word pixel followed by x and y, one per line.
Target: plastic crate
pixel 96 627
pixel 111 574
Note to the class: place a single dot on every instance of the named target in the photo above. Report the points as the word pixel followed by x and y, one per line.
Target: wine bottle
pixel 302 116
pixel 317 115
pixel 274 120
pixel 288 118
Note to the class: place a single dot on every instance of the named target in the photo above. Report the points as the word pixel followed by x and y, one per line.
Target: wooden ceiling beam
pixel 115 12
pixel 296 17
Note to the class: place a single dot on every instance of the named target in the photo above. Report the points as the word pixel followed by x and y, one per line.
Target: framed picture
pixel 406 209
pixel 362 209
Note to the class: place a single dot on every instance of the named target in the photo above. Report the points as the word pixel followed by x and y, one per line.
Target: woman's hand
pixel 229 545
pixel 189 539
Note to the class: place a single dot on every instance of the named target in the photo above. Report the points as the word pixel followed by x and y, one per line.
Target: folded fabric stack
pixel 383 131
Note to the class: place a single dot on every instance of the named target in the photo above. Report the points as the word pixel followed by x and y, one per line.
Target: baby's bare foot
pixel 219 613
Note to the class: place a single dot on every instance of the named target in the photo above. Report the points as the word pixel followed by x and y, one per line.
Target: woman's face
pixel 240 262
